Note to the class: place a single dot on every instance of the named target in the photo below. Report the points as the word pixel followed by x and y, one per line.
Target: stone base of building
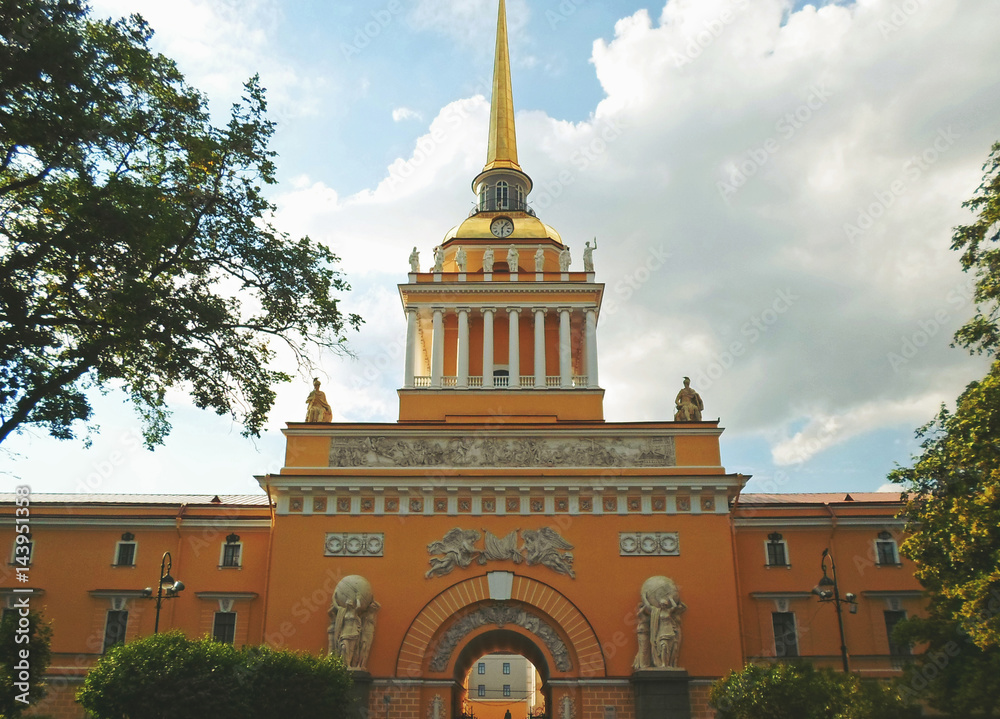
pixel 662 694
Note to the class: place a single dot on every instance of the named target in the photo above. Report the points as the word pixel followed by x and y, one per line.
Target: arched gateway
pixel 501 512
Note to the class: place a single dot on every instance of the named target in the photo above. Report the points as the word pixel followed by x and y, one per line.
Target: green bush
pixel 39 637
pixel 800 691
pixel 168 675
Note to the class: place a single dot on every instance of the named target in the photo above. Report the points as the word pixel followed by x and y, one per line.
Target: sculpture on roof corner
pixel 658 629
pixel 689 404
pixel 317 408
pixel 414 261
pixel 352 621
pixel 439 259
pixel 588 256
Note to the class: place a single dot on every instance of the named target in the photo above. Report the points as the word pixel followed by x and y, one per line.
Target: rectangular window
pixel 224 628
pixel 886 552
pixel 126 554
pixel 786 643
pixel 892 618
pixel 481 668
pixel 506 667
pixel 114 630
pixel 23 551
pixel 776 555
pixel 231 555
pixel 506 690
pixel 482 690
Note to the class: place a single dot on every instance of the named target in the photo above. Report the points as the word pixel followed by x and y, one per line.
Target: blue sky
pixel 773 186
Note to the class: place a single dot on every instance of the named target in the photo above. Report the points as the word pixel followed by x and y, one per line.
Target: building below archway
pixel 500 514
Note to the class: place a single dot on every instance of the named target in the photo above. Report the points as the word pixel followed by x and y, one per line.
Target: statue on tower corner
pixel 439 259
pixel 689 404
pixel 564 259
pixel 539 260
pixel 461 259
pixel 317 408
pixel 414 261
pixel 512 259
pixel 488 260
pixel 588 256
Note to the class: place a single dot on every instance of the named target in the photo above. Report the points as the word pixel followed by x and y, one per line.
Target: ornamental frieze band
pixel 523 451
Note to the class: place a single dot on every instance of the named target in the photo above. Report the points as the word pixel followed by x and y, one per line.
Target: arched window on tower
pixel 503 195
pixel 482 197
pixel 518 197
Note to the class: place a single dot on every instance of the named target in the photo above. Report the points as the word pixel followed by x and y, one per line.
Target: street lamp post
pixel 166 588
pixel 829 591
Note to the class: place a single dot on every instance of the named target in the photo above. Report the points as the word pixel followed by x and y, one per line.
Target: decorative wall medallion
pixel 464 505
pixel 392 504
pixel 440 505
pixel 489 505
pixel 566 708
pixel 562 505
pixel 633 504
pixel 537 505
pixel 611 504
pixel 416 505
pixel 505 451
pixel 367 504
pixel 354 544
pixel 649 544
pixel 295 504
pixel 586 504
pixel 659 504
pixel 457 549
pixel 499 615
pixel 708 504
pixel 343 504
pixel 513 504
pixel 683 504
pixel 319 504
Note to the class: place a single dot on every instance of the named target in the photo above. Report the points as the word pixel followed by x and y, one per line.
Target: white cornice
pixel 133 521
pixel 544 430
pixel 824 521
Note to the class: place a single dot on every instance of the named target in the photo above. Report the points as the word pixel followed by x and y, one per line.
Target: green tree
pixel 13 662
pixel 136 244
pixel 952 674
pixel 168 675
pixel 800 691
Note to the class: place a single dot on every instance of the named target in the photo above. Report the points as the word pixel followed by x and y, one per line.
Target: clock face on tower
pixel 502 227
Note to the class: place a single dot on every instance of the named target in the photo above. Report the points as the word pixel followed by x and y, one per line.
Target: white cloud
pixel 399 114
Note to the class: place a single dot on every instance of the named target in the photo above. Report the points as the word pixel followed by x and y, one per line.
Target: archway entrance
pixel 500 671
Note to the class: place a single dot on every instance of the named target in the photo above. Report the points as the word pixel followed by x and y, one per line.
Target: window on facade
pixel 518 198
pixel 885 550
pixel 114 630
pixel 786 642
pixel 506 690
pixel 892 618
pixel 482 196
pixel 126 554
pixel 481 668
pixel 506 667
pixel 231 555
pixel 503 195
pixel 224 627
pixel 22 551
pixel 501 377
pixel 482 690
pixel 777 551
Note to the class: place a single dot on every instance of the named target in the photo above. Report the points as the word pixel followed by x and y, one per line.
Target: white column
pixel 514 357
pixel 539 347
pixel 437 348
pixel 592 348
pixel 488 347
pixel 411 347
pixel 463 347
pixel 565 349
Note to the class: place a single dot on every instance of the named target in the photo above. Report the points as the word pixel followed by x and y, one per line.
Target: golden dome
pixel 526 227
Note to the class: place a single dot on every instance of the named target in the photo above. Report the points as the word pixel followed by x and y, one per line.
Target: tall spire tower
pixel 499 328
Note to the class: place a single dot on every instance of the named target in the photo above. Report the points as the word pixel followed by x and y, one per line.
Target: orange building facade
pixel 500 514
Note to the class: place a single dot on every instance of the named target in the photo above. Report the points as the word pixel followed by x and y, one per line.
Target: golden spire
pixel 503 142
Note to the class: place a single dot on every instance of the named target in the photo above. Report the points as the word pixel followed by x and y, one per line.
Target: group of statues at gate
pixel 353 613
pixel 513 259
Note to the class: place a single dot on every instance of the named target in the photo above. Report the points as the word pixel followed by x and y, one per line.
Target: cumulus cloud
pixel 399 114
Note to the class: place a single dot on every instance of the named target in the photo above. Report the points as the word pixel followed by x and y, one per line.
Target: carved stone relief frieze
pixel 524 451
pixel 649 544
pixel 354 544
pixel 457 550
pixel 500 615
